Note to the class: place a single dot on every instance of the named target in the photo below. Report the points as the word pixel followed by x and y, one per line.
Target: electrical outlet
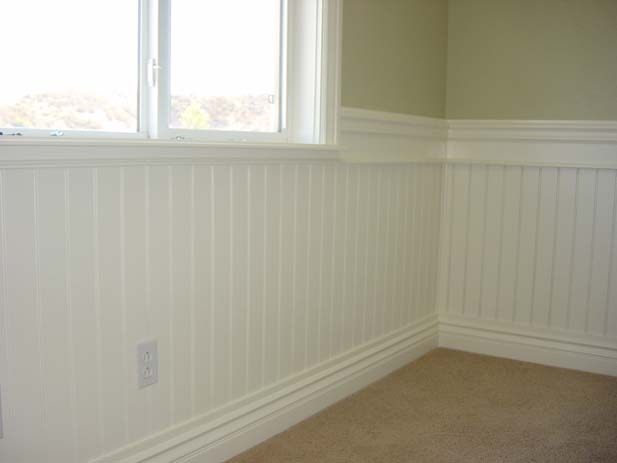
pixel 147 364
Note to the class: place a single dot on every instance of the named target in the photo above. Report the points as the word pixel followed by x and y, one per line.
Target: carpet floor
pixel 451 406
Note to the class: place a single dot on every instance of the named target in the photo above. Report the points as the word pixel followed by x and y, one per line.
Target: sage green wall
pixel 532 59
pixel 394 55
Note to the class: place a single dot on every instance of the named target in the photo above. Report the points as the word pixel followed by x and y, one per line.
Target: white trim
pixel 355 120
pixel 20 153
pixel 546 347
pixel 365 136
pixel 374 136
pixel 331 66
pixel 590 144
pixel 530 130
pixel 224 433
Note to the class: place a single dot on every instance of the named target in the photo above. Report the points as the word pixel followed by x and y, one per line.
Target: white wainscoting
pixel 529 263
pixel 256 276
pixel 277 280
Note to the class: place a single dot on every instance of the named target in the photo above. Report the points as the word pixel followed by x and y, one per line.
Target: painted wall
pixel 246 273
pixel 394 55
pixel 529 59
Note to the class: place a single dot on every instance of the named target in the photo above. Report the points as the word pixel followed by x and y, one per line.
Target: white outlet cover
pixel 147 364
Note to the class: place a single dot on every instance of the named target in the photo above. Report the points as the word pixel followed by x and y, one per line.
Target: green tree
pixel 194 117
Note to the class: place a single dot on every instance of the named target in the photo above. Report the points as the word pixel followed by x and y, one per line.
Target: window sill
pixel 33 152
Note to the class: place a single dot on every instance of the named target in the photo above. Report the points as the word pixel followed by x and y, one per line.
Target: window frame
pixel 308 119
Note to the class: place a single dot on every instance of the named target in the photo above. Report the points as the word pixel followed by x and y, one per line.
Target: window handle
pixel 153 71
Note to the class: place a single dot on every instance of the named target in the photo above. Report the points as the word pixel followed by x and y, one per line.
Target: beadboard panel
pixel 246 274
pixel 531 247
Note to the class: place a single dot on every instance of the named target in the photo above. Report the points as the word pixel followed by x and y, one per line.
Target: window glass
pixel 225 65
pixel 70 65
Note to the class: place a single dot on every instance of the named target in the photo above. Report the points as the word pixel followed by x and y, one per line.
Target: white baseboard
pixel 530 345
pixel 225 433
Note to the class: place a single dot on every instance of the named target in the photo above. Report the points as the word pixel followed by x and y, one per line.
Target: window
pixel 63 70
pixel 218 70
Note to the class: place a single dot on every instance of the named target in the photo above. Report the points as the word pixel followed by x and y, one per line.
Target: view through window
pixel 70 65
pixel 225 65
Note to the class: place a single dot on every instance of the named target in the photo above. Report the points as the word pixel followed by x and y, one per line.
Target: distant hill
pixel 79 111
pixel 67 111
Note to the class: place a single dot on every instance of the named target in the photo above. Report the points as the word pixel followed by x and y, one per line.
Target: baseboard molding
pixel 224 433
pixel 530 345
pixel 265 414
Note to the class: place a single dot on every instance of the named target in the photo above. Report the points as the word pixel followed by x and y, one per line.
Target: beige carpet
pixel 452 406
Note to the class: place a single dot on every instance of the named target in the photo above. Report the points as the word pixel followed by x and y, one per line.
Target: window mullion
pixel 145 99
pixel 164 62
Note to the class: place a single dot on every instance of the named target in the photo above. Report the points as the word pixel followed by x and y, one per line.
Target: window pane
pixel 225 65
pixel 69 65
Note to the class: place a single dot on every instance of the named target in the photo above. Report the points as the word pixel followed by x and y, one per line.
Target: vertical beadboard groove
pixel 420 247
pixel 572 250
pixel 5 327
pixel 554 254
pixel 69 310
pixel 404 319
pixel 97 304
pixel 365 306
pixel 294 264
pixel 321 258
pixel 592 249
pixel 332 260
pixel 378 226
pixel 481 309
pixel 280 274
pixel 436 231
pixel 534 270
pixel 420 244
pixel 39 310
pixel 356 305
pixel 170 230
pixel 192 334
pixel 386 277
pixel 435 238
pixel 343 309
pixel 148 282
pixel 500 247
pixel 211 375
pixel 248 280
pixel 467 225
pixel 612 257
pixel 518 243
pixel 450 179
pixel 308 266
pixel 396 280
pixel 231 287
pixel 265 280
pixel 413 264
pixel 123 323
pixel 428 258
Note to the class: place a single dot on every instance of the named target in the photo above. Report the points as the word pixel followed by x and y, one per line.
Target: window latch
pixel 153 71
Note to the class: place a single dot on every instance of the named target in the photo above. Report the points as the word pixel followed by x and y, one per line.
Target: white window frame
pixel 310 80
